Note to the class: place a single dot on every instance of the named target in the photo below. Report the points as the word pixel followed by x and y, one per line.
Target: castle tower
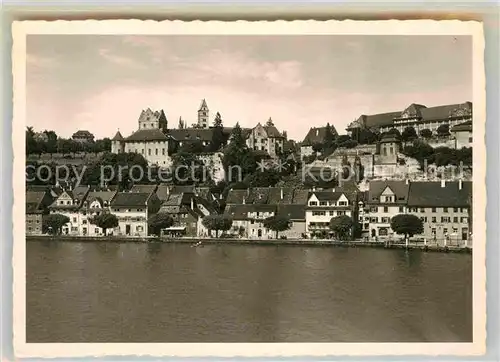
pixel 117 143
pixel 203 114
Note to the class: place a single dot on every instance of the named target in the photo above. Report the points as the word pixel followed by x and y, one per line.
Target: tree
pixel 277 223
pixel 218 137
pixel 181 123
pixel 217 222
pixel 426 133
pixel 317 147
pixel 365 136
pixel 328 141
pixel 341 226
pixel 238 157
pixel 394 132
pixel 409 134
pixel 443 130
pixel 267 178
pixel 342 139
pixel 54 222
pixel 159 221
pixel 407 225
pixel 105 221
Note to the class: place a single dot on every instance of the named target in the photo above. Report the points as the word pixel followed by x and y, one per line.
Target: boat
pixel 199 243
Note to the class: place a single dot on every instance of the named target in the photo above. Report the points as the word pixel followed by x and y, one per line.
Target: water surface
pixel 110 292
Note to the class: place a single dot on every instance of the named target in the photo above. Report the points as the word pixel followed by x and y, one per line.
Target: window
pixel 68 203
pixel 322 203
pixel 401 209
pixel 465 220
pixel 462 209
pixel 422 210
pixel 445 209
pixel 313 203
pixel 74 219
pixel 373 209
pixel 340 213
pixel 319 213
pixel 433 219
pixel 96 231
pixel 129 210
pixel 139 210
pixel 61 202
pixel 163 151
pixel 385 220
pixel 455 230
pixel 342 203
pixel 38 221
pixel 433 231
pixel 445 219
pixel 374 219
pixel 142 151
pixel 29 221
pixel 455 219
pixel 455 209
pixel 445 230
pixel 386 209
pixel 156 152
pixel 433 209
pixel 470 139
pixel 332 213
pixel 149 152
pixel 84 222
pixel 392 150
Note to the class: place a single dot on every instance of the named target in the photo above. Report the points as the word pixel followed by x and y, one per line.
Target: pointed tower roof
pixel 203 104
pixel 118 137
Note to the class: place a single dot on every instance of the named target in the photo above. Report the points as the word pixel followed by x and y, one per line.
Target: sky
pixel 101 83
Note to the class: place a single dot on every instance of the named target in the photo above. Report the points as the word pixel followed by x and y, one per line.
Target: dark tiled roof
pixel 123 199
pixel 258 195
pixel 413 110
pixel 118 137
pixel 379 120
pixel 191 134
pixel 143 188
pixel 300 196
pixel 177 189
pixel 293 212
pixel 203 104
pixel 238 212
pixel 432 194
pixel 466 126
pixel 327 195
pixel 147 135
pixel 399 188
pixel 274 196
pixel 317 135
pixel 102 195
pixel 389 138
pixel 272 131
pixel 445 112
pixel 34 201
pixel 236 196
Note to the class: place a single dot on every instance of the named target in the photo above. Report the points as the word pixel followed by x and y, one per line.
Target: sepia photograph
pixel 213 183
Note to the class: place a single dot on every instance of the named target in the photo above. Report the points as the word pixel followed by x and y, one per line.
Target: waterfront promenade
pixel 436 247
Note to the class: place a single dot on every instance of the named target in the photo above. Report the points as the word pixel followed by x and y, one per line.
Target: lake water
pixel 110 292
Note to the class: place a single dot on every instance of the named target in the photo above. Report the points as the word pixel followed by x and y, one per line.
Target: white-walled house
pixel 322 206
pixel 69 203
pixel 96 203
pixel 462 135
pixel 133 210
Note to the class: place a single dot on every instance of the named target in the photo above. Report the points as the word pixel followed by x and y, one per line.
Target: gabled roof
pixel 317 135
pixel 413 111
pixel 118 137
pixel 82 133
pixel 34 201
pixel 462 127
pixel 124 199
pixel 377 187
pixel 258 195
pixel 147 135
pixel 101 195
pixel 293 212
pixel 238 212
pixel 236 196
pixel 274 196
pixel 327 195
pixel 272 132
pixel 432 194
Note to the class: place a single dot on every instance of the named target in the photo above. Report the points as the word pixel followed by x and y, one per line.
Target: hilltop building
pixel 417 116
pixel 82 136
pixel 203 115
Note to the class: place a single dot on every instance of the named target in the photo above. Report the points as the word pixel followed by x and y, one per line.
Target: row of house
pixel 444 207
pixel 133 208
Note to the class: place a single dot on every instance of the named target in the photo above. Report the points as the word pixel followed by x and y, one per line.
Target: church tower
pixel 203 114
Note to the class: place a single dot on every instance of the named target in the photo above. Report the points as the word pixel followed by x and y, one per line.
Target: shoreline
pixel 235 241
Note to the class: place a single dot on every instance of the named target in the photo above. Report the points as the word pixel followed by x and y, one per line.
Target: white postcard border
pixel 389 27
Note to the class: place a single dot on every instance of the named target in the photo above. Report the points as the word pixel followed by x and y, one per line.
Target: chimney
pixel 281 193
pixel 443 183
pixel 243 200
pixel 460 185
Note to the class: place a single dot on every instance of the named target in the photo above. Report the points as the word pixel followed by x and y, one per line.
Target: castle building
pixel 149 140
pixel 266 138
pixel 417 116
pixel 203 115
